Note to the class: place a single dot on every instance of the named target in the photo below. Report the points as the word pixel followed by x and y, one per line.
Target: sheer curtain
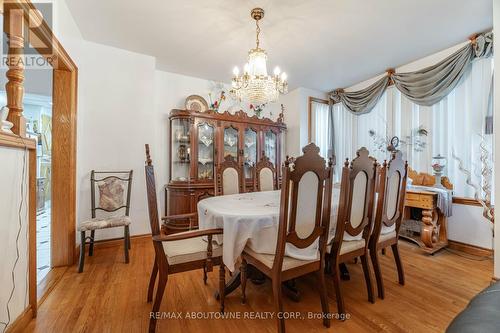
pixel 457 123
pixel 320 128
pixel 352 132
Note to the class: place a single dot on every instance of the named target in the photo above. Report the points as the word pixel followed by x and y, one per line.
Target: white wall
pixel 467 225
pixel 296 118
pixel 11 180
pixel 496 27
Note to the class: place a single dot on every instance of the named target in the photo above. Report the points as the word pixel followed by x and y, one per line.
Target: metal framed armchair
pixel 114 191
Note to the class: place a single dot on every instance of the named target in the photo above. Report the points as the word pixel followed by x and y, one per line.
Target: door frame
pixel 64 99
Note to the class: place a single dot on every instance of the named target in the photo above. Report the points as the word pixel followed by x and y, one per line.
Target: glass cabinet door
pixel 180 149
pixel 249 151
pixel 231 142
pixel 270 146
pixel 206 151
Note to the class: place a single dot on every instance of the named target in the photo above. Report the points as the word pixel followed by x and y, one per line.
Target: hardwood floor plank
pixel 110 296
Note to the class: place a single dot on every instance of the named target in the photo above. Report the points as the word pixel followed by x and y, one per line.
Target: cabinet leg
pixel 427 233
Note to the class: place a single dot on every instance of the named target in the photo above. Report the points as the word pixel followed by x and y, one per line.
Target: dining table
pixel 252 219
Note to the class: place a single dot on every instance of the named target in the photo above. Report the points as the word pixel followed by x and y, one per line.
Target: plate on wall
pixel 196 103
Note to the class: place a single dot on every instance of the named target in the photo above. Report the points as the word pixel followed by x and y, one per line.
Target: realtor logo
pixel 26 36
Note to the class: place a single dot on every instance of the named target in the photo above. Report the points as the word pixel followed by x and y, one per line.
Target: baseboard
pixel 21 322
pixel 470 249
pixel 106 243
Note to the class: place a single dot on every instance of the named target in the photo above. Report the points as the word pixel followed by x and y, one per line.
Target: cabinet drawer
pixel 420 200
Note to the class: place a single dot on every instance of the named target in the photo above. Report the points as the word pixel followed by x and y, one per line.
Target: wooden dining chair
pixel 304 220
pixel 265 175
pixel 389 215
pixel 181 252
pixel 110 193
pixel 229 177
pixel 357 191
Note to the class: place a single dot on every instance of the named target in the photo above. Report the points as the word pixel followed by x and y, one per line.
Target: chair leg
pixel 91 246
pixel 338 293
pixel 152 281
pixel 222 286
pixel 126 241
pixel 205 275
pixel 128 236
pixel 366 271
pixel 328 266
pixel 278 305
pixel 243 278
pixel 378 273
pixel 324 298
pixel 82 252
pixel 399 264
pixel 162 283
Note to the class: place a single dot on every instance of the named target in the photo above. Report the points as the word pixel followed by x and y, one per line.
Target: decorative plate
pixel 196 103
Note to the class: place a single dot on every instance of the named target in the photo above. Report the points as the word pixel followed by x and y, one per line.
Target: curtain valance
pixel 425 87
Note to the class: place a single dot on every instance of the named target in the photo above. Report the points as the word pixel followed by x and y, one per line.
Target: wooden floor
pixel 110 296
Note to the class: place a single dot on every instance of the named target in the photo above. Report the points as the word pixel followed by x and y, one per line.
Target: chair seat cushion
pixel 268 259
pixel 187 250
pixel 105 222
pixel 348 246
pixel 386 236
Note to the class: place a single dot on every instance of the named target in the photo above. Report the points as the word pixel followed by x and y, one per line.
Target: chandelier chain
pixel 258 32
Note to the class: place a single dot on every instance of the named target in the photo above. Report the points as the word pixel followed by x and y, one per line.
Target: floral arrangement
pixel 215 105
pixel 257 109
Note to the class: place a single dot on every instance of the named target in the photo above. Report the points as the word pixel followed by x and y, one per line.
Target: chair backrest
pixel 391 194
pixel 151 193
pixel 357 191
pixel 229 177
pixel 265 175
pixel 305 203
pixel 113 190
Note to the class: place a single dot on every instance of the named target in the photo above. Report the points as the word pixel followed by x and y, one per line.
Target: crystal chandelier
pixel 254 85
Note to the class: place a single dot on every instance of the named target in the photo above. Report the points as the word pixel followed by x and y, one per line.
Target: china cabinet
pixel 201 140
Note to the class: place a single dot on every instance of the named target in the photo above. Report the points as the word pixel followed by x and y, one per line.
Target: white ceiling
pixel 321 44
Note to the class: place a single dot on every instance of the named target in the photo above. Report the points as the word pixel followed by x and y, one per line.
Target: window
pixel 454 125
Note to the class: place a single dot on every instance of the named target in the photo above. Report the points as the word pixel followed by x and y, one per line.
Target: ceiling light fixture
pixel 254 85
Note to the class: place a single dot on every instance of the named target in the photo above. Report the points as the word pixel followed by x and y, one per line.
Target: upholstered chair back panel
pixel 266 179
pixel 306 204
pixel 358 199
pixel 230 181
pixel 393 194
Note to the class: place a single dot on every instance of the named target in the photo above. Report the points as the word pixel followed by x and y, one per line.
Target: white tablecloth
pixel 251 219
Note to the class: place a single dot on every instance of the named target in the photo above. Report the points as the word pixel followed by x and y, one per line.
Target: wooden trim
pixel 470 249
pixel 64 167
pixel 21 322
pixel 466 201
pixel 32 271
pixel 59 59
pixel 16 141
pixel 309 114
pixel 107 243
